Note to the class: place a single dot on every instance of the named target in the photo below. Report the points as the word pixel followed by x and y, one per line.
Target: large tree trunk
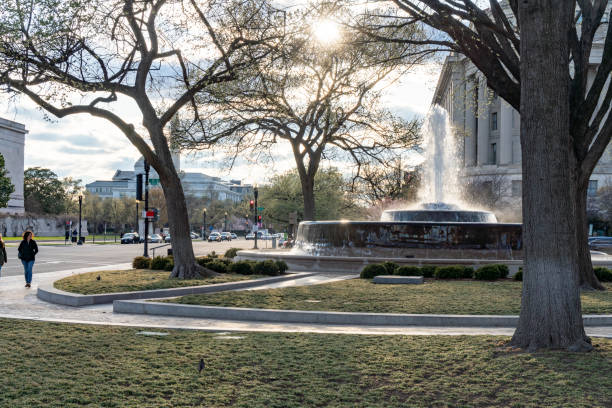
pixel 551 315
pixel 309 198
pixel 587 279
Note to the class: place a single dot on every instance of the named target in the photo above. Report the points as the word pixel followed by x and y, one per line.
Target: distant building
pixel 123 184
pixel 12 142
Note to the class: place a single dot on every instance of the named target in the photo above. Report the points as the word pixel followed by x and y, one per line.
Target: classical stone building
pixel 123 184
pixel 488 130
pixel 12 142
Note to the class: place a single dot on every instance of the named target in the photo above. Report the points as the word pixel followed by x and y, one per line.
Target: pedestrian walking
pixel 27 252
pixel 3 258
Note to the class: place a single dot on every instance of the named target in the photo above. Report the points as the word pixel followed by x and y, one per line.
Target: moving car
pixel 167 239
pixel 194 235
pixel 130 238
pixel 226 236
pixel 214 237
pixel 250 235
pixel 603 244
pixel 234 236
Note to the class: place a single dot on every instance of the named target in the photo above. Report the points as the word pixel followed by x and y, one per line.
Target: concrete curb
pixel 341 318
pixel 50 294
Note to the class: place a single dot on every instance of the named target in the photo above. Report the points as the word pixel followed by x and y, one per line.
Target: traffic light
pixel 139 187
pixel 156 212
pixel 259 218
pixel 252 203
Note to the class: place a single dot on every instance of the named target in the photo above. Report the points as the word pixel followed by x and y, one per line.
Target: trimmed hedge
pixel 454 272
pixel 169 264
pixel 487 272
pixel 503 270
pixel 267 267
pixel 158 263
pixel 231 253
pixel 217 266
pixel 603 274
pixel 141 262
pixel 241 268
pixel 391 267
pixel 282 267
pixel 428 271
pixel 519 275
pixel 409 271
pixel 372 270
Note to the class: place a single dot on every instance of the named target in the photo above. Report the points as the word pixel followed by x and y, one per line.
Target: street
pixel 53 258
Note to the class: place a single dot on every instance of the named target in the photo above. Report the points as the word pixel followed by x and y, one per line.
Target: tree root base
pixel 192 271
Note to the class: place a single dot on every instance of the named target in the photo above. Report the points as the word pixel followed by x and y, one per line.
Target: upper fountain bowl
pixel 439 212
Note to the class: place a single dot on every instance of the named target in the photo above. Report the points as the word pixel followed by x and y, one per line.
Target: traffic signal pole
pixel 146 220
pixel 256 193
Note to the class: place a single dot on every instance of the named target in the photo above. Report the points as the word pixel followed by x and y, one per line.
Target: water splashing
pixel 440 182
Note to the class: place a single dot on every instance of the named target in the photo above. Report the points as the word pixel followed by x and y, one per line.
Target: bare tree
pixel 537 56
pixel 321 99
pixel 88 57
pixel 375 184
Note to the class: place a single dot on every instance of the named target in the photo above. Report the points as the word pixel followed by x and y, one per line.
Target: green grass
pixel 360 295
pixel 61 365
pixel 135 279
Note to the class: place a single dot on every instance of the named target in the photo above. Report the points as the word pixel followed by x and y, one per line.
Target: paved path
pixel 17 302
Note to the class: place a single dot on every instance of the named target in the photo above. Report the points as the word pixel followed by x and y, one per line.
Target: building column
pixel 470 124
pixel 505 134
pixel 483 123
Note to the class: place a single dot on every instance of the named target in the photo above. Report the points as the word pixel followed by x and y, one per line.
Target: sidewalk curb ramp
pixel 50 294
pixel 340 318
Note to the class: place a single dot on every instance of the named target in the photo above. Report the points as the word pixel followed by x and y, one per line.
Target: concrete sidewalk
pixel 18 302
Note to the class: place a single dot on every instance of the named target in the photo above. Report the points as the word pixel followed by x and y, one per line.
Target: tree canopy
pixel 6 187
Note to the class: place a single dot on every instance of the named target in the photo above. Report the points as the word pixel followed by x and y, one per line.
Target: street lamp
pixel 80 212
pixel 204 225
pixel 225 222
pixel 255 225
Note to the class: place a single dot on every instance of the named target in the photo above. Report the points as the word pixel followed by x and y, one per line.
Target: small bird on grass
pixel 98 277
pixel 201 365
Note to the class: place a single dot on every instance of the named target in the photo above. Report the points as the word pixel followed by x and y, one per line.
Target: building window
pixel 517 188
pixel 493 158
pixel 494 121
pixel 592 189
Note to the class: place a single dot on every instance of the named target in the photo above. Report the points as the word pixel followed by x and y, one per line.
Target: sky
pixel 89 148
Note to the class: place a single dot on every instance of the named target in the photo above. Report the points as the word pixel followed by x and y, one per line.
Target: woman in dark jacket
pixel 3 258
pixel 27 252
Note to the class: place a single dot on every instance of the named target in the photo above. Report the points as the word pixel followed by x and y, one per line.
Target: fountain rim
pixel 341 222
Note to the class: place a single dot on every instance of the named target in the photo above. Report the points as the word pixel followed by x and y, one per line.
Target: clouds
pixel 90 148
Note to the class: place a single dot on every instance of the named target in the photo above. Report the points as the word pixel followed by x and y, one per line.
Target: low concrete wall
pixel 46 226
pixel 50 294
pixel 345 318
pixel 356 264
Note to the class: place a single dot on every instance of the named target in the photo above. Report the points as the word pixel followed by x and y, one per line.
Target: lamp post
pixel 204 225
pixel 147 167
pixel 225 222
pixel 255 194
pixel 80 212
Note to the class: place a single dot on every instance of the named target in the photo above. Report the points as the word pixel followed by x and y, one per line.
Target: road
pixel 52 258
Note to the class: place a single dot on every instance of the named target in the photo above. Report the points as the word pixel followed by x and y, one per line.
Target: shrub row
pixel 488 272
pixel 603 274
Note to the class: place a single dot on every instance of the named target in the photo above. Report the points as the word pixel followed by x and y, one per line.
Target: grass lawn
pixel 360 295
pixel 135 279
pixel 61 365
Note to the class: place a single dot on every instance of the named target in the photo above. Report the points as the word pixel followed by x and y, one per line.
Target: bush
pixel 391 267
pixel 241 268
pixel 603 274
pixel 282 267
pixel 231 253
pixel 503 270
pixel 372 270
pixel 212 255
pixel 409 271
pixel 468 272
pixel 428 271
pixel 169 266
pixel 487 272
pixel 453 272
pixel 141 262
pixel 226 261
pixel 267 267
pixel 216 266
pixel 519 275
pixel 158 263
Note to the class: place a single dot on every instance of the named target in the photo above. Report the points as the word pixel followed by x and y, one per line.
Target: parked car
pixel 214 237
pixel 155 238
pixel 194 235
pixel 226 236
pixel 130 238
pixel 234 236
pixel 250 235
pixel 603 244
pixel 167 238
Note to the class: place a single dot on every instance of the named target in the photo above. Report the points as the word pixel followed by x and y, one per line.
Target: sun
pixel 327 32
